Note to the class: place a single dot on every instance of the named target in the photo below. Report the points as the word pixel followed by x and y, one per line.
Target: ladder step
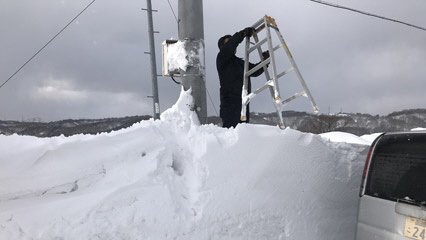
pixel 258 23
pixel 259 66
pixel 285 72
pixel 302 93
pixel 257 45
pixel 277 47
pixel 269 83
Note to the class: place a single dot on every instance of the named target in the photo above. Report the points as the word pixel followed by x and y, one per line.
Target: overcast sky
pixel 97 67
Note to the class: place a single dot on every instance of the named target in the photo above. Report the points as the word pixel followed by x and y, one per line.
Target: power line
pixel 368 14
pixel 173 11
pixel 51 40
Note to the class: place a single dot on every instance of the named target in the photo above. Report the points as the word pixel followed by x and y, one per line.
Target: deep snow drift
pixel 175 179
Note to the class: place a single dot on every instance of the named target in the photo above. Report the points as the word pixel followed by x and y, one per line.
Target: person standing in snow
pixel 230 69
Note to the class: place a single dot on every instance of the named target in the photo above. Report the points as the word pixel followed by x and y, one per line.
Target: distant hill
pixel 355 123
pixel 68 127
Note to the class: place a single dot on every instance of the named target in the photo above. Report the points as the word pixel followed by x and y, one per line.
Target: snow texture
pixel 177 56
pixel 184 54
pixel 176 179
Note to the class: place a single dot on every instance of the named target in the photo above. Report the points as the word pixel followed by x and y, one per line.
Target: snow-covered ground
pixel 175 179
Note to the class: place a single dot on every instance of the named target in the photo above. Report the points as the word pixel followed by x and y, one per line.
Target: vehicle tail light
pixel 365 172
pixel 367 162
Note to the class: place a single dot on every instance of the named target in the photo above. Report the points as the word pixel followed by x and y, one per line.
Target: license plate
pixel 415 228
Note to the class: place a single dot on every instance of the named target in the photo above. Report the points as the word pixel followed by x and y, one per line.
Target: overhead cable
pixel 173 11
pixel 368 14
pixel 50 41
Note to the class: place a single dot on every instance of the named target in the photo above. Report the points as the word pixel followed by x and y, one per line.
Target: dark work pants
pixel 231 113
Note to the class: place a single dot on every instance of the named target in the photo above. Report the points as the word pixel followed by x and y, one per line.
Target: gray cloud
pixel 97 67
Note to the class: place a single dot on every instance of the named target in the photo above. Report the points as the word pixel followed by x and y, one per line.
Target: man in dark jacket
pixel 231 75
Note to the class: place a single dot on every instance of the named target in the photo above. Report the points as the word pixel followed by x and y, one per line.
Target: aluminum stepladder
pixel 266 23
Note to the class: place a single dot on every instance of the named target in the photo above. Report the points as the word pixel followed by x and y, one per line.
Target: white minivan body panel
pixel 387 226
pixel 393 190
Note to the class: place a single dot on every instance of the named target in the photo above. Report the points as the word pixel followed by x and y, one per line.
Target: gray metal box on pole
pixel 191 30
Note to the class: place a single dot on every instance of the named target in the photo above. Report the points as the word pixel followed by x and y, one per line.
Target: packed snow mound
pixel 346 137
pixel 176 179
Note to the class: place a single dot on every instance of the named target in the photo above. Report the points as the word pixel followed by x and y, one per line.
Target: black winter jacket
pixel 231 75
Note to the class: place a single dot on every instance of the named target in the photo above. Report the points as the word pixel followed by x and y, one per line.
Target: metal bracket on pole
pixel 267 23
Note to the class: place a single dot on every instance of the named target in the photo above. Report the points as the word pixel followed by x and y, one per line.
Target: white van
pixel 393 189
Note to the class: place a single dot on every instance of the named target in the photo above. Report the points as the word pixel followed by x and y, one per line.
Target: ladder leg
pixel 296 69
pixel 244 92
pixel 272 89
pixel 275 89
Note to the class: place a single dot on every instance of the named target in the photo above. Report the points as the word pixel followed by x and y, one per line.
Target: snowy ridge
pixel 175 179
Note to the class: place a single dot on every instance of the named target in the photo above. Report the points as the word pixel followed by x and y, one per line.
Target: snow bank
pixel 175 179
pixel 345 137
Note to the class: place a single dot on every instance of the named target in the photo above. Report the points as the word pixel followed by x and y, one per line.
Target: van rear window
pixel 398 168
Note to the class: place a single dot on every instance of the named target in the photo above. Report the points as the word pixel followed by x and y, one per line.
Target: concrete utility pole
pixel 191 30
pixel 151 32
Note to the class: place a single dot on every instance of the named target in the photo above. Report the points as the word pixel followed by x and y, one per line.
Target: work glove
pixel 265 55
pixel 248 32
